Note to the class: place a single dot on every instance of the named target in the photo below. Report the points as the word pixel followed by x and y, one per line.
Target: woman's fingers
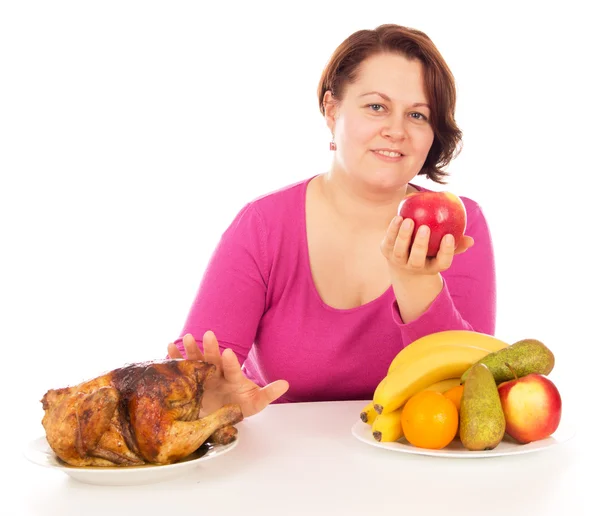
pixel 388 242
pixel 192 350
pixel 274 390
pixel 463 244
pixel 403 241
pixel 443 260
pixel 173 351
pixel 232 371
pixel 269 393
pixel 263 397
pixel 418 252
pixel 212 353
pixel 448 249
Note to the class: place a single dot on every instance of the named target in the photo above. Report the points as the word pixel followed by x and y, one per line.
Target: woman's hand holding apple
pixel 416 257
pixel 408 256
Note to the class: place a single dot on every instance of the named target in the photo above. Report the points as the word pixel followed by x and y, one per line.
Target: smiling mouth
pixel 389 154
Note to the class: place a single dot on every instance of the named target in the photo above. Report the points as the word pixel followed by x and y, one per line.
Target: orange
pixel 429 420
pixel 455 395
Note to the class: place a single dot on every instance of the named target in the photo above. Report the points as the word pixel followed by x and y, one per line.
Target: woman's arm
pixel 230 299
pixel 222 322
pixel 461 296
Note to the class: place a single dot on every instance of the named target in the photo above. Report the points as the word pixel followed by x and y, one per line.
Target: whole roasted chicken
pixel 142 413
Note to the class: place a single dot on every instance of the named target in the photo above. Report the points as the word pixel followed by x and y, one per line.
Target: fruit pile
pixel 469 386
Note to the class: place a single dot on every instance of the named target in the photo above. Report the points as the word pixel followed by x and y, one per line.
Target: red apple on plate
pixel 442 212
pixel 532 407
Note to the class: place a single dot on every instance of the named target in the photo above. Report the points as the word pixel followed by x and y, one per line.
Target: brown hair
pixel 439 83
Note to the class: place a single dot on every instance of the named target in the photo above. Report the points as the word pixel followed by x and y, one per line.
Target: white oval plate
pixel 39 452
pixel 455 449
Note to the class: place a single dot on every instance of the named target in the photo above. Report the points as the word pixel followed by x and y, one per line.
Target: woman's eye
pixel 418 116
pixel 378 108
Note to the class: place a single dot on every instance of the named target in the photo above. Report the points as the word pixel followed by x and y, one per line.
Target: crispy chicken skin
pixel 143 413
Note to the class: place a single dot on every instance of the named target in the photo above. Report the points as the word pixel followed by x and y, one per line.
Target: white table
pixel 301 459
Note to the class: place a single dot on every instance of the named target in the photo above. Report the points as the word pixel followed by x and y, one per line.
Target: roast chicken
pixel 142 413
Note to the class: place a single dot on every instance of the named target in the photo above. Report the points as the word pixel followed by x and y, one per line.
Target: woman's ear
pixel 330 105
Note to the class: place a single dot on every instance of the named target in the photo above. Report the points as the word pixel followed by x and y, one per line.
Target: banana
pixel 368 414
pixel 443 385
pixel 444 338
pixel 433 365
pixel 388 427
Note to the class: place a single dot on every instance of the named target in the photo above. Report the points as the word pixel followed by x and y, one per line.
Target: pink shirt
pixel 258 296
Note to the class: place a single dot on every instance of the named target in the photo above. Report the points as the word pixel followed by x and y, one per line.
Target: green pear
pixel 481 422
pixel 524 357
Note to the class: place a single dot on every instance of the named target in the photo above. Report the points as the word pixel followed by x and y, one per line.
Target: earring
pixel 332 145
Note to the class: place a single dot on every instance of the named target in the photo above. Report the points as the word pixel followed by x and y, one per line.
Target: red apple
pixel 442 212
pixel 532 407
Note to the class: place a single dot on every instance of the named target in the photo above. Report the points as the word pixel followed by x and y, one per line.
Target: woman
pixel 315 288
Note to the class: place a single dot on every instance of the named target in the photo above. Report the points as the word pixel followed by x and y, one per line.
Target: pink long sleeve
pixel 231 297
pixel 258 296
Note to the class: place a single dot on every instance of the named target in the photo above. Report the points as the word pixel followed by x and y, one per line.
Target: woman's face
pixel 381 125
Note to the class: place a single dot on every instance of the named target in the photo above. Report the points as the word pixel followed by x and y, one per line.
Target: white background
pixel 131 133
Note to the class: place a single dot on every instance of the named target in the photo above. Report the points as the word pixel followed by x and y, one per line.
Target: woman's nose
pixel 395 130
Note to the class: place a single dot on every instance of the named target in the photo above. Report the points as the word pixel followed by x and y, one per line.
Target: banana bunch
pixel 445 338
pixel 434 362
pixel 388 427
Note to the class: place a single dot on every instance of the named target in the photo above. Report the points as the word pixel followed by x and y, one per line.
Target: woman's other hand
pixel 228 384
pixel 404 259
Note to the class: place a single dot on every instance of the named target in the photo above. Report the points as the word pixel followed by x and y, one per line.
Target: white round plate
pixel 455 449
pixel 39 452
